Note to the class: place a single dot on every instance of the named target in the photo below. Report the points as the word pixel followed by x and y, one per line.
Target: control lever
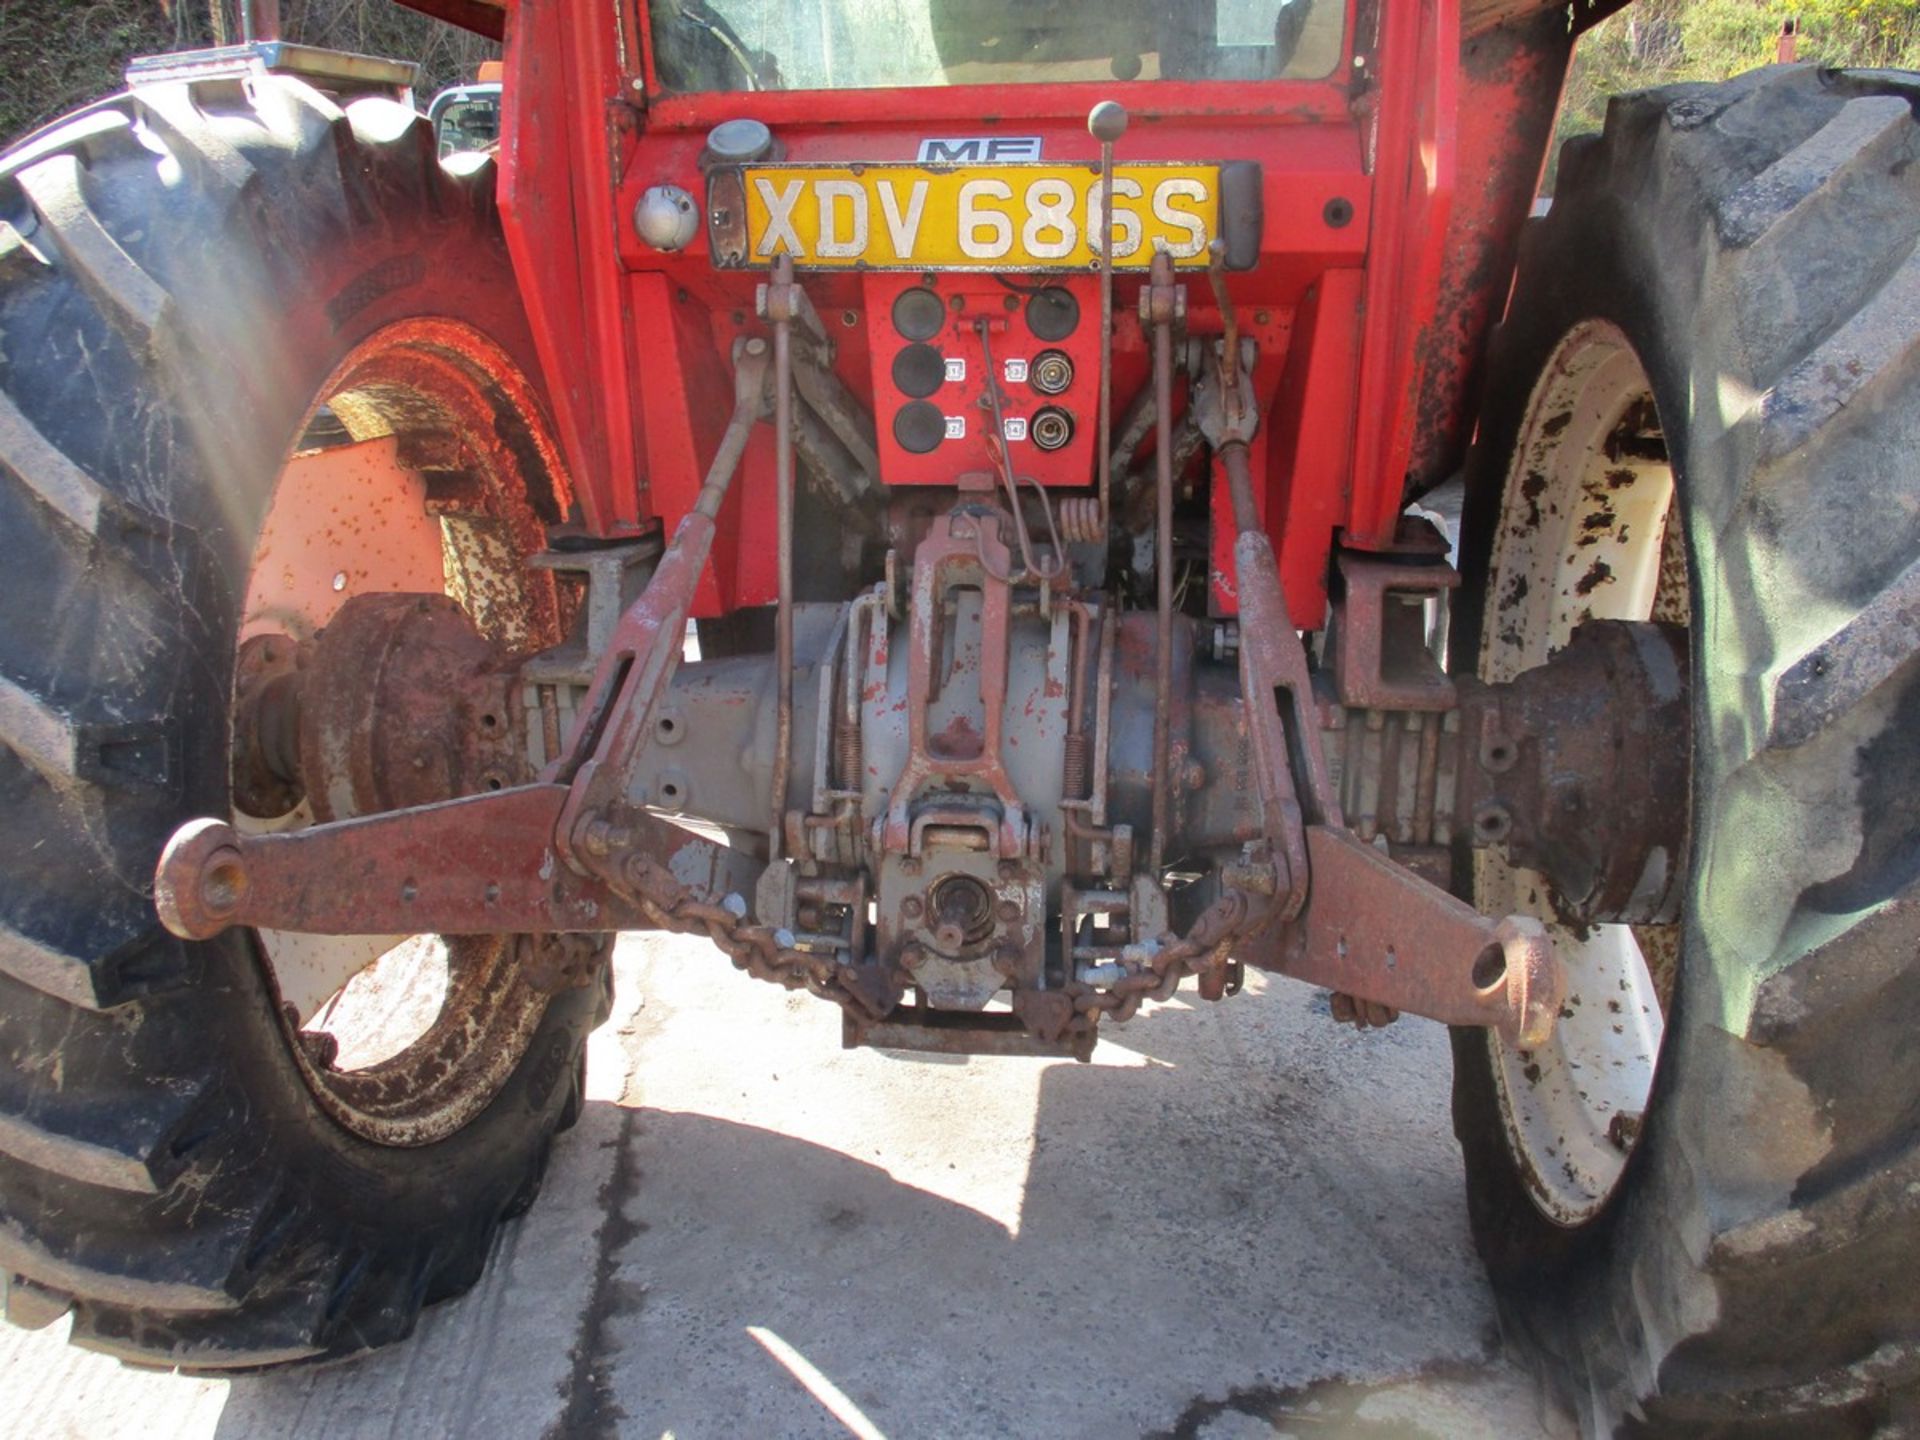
pixel 1107 122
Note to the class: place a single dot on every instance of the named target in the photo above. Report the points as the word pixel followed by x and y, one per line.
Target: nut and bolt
pixel 603 837
pixel 1252 876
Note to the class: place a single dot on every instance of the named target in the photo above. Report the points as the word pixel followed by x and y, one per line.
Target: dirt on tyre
pixel 1699 1212
pixel 204 287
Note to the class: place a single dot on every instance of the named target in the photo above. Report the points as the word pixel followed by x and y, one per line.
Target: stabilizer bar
pixel 1369 928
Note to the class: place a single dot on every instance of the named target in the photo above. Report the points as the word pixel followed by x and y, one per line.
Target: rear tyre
pixel 1745 1265
pixel 185 273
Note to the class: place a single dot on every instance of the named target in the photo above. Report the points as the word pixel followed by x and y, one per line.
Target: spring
pixel 1081 522
pixel 846 746
pixel 1073 769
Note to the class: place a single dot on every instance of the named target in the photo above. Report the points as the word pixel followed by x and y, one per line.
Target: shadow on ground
pixel 1241 1218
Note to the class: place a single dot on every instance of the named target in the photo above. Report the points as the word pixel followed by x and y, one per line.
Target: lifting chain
pixel 764 952
pixel 759 950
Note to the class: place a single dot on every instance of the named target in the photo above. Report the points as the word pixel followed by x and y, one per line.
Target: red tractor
pixel 987 512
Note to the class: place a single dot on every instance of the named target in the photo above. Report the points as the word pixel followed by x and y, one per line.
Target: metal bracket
pixel 961 549
pixel 1375 930
pixel 1378 641
pixel 1368 928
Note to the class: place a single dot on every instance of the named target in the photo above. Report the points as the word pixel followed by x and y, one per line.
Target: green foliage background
pixel 58 54
pixel 1656 42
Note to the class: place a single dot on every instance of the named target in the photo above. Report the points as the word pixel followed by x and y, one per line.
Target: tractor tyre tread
pixel 1756 241
pixel 166 1178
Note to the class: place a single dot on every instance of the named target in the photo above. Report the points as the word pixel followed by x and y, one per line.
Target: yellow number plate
pixel 1000 217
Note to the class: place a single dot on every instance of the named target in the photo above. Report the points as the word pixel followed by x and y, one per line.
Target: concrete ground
pixel 1240 1221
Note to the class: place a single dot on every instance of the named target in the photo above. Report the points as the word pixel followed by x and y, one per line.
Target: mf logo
pixel 976 148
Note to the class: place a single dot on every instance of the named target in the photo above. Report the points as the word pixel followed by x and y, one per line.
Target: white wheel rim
pixel 1583 534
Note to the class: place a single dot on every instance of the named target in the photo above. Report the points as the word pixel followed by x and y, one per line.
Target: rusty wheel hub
pixel 388 587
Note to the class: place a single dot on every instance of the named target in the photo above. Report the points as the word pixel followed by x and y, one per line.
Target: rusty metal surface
pixel 781 301
pixel 1378 641
pixel 1377 934
pixel 402 702
pixel 266 721
pixel 1579 768
pixel 1397 772
pixel 449 484
pixel 346 520
pixel 470 423
pixel 1383 937
pixel 481 865
pixel 958 862
pixel 1280 717
pixel 961 869
pixel 647 644
pixel 962 553
pixel 1376 931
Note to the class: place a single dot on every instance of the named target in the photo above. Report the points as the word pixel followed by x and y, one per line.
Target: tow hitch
pixel 995 805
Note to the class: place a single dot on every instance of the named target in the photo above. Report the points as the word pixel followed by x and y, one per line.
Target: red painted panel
pixel 1310 472
pixel 1417 120
pixel 678 359
pixel 962 398
pixel 1367 397
pixel 556 201
pixel 1510 91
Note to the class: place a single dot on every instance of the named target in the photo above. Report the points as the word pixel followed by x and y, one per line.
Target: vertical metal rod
pixel 781 309
pixel 259 20
pixel 1246 515
pixel 1074 758
pixel 1160 274
pixel 1107 122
